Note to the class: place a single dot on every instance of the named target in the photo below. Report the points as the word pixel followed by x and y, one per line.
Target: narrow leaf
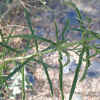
pixel 76 74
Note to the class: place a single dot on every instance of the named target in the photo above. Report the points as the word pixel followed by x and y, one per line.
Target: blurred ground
pixel 42 21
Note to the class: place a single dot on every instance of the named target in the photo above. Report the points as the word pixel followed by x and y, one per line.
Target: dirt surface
pixel 89 89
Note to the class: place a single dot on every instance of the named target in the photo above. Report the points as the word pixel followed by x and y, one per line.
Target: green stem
pixel 76 73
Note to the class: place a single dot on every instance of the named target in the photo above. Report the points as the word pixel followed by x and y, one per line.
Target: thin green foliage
pixel 60 63
pixel 9 48
pixel 76 73
pixel 18 68
pixel 29 22
pixel 3 67
pixel 68 57
pixel 87 65
pixel 66 27
pixel 34 36
pixel 23 83
pixel 94 34
pixel 61 75
pixel 48 77
pixel 86 44
pixel 84 49
pixel 36 44
pixel 63 46
pixel 57 31
pixel 30 26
